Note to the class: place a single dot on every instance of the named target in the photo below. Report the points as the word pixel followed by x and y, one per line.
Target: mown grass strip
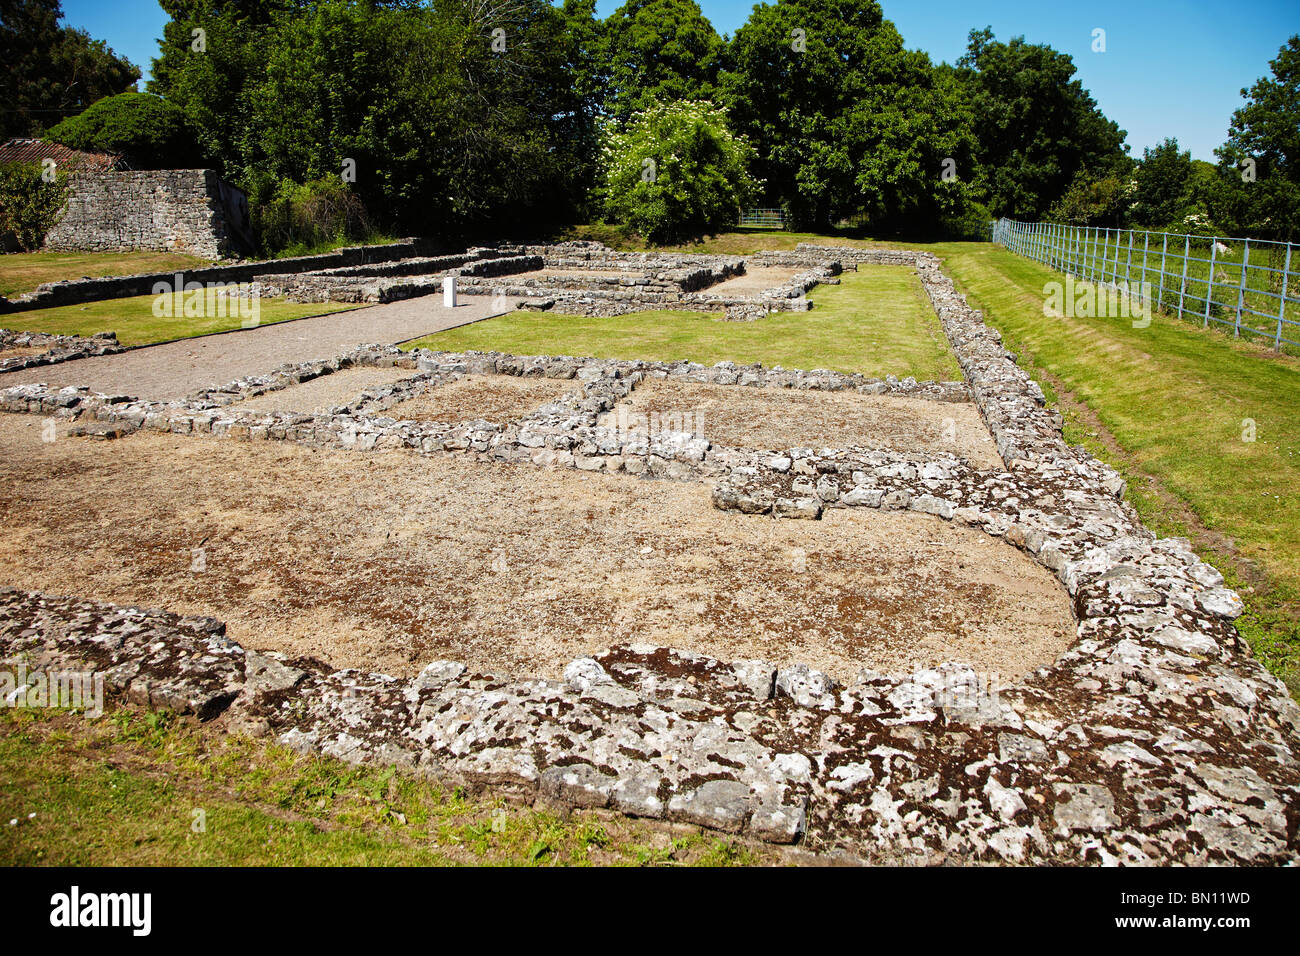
pixel 135 323
pixel 141 788
pixel 877 321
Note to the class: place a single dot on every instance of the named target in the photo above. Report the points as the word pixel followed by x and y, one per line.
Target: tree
pixel 449 118
pixel 1259 190
pixel 51 72
pixel 1162 185
pixel 653 51
pixel 30 202
pixel 676 171
pixel 1036 126
pixel 148 131
pixel 1092 200
pixel 846 121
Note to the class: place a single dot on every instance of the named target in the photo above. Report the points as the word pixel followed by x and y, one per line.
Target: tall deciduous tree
pixel 1162 185
pixel 1259 192
pixel 657 51
pixel 845 119
pixel 456 116
pixel 1035 125
pixel 51 72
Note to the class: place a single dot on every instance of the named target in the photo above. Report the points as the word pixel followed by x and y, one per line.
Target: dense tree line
pixel 465 118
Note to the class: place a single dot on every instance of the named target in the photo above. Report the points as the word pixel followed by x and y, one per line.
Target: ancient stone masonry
pixel 1156 738
pixel 564 433
pixel 72 291
pixel 42 348
pixel 390 282
pixel 159 210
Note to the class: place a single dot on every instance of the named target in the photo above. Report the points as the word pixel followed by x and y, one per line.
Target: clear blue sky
pixel 1170 68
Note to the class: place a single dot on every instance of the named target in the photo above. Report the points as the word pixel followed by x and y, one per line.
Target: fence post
pixel 1146 248
pixel 1281 306
pixel 1241 290
pixel 1182 286
pixel 1164 249
pixel 1128 264
pixel 1209 288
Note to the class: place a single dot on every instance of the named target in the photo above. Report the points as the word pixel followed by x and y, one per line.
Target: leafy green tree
pixel 653 51
pixel 846 121
pixel 1036 127
pixel 1259 188
pixel 30 203
pixel 148 131
pixel 1162 185
pixel 1092 200
pixel 457 118
pixel 51 72
pixel 676 171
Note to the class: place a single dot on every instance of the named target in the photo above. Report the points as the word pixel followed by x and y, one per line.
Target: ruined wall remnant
pixel 190 211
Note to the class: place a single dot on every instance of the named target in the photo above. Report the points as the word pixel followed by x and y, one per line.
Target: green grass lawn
pixel 1168 406
pixel 135 324
pixel 877 321
pixel 23 271
pixel 123 790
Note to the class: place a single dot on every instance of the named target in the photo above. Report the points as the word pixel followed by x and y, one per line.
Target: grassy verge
pixel 1171 406
pixel 135 323
pixel 22 272
pixel 137 788
pixel 877 321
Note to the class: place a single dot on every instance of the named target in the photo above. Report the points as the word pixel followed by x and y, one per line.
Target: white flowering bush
pixel 675 171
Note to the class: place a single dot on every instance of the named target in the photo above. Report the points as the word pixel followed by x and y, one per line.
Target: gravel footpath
pixel 175 369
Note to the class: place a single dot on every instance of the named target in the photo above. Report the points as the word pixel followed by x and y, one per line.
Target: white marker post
pixel 449 292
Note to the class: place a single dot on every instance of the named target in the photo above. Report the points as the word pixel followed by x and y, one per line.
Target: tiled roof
pixel 72 160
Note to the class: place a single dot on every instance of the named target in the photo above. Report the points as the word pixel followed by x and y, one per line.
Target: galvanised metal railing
pixel 1251 285
pixel 763 218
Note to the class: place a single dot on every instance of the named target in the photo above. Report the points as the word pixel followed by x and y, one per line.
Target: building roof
pixel 73 160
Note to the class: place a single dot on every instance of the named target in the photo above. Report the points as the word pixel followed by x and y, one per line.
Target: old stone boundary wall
pixel 1156 738
pixel 155 210
pixel 73 291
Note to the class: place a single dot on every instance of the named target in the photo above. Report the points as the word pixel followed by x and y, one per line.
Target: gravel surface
pixel 175 369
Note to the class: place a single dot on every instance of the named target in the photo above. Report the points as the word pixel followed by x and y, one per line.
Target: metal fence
pixel 763 218
pixel 1250 285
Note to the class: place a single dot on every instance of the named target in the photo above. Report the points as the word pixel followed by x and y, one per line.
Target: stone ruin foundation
pixel 1155 738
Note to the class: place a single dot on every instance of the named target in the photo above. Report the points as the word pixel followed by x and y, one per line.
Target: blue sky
pixel 1170 68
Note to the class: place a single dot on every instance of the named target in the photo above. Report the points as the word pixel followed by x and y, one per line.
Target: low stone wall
pixel 362 285
pixel 74 291
pixel 55 348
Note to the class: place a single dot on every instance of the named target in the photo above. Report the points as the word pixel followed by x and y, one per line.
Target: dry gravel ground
pixel 23 352
pixel 755 280
pixel 320 394
pixel 495 398
pixel 388 561
pixel 778 419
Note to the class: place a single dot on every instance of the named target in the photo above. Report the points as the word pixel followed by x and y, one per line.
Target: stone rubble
pixel 57 348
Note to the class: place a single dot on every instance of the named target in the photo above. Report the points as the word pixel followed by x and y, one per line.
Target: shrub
pixel 149 131
pixel 676 171
pixel 29 205
pixel 292 219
